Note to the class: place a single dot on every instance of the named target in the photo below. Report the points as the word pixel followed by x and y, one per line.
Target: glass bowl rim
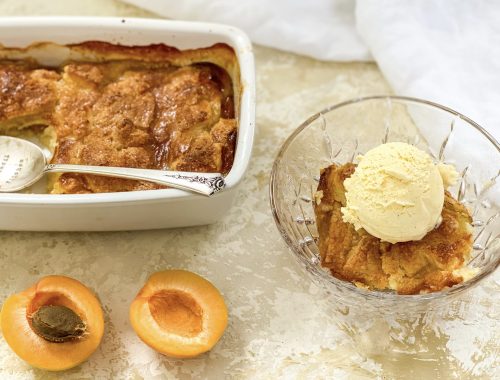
pixel 327 277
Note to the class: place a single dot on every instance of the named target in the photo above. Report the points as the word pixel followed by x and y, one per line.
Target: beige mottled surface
pixel 280 327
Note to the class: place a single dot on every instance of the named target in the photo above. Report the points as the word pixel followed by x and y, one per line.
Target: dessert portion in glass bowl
pixel 151 107
pixel 337 136
pixel 388 223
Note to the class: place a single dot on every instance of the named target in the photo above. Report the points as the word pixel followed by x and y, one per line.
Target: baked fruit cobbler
pixel 419 266
pixel 149 107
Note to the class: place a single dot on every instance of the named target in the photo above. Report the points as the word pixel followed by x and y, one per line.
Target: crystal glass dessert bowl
pixel 338 135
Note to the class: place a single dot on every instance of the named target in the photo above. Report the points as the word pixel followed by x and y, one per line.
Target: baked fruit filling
pixel 411 267
pixel 127 113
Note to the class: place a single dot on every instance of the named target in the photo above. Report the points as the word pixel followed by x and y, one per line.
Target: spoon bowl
pixel 22 163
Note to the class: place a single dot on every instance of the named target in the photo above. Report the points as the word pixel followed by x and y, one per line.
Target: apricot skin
pixel 40 353
pixel 179 314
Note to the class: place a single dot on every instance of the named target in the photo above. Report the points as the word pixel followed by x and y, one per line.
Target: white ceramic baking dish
pixel 138 209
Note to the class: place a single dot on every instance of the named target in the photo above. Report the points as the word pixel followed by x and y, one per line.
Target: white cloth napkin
pixel 447 51
pixel 444 51
pixel 323 29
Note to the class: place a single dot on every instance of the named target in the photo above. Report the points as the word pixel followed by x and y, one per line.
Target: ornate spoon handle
pixel 201 183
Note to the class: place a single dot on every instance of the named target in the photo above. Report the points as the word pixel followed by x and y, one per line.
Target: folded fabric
pixel 322 29
pixel 440 50
pixel 447 51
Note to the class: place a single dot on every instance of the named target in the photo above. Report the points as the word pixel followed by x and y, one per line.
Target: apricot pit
pixel 179 314
pixel 57 323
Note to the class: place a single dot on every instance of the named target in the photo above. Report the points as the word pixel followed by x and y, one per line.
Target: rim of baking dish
pixel 242 46
pixel 326 277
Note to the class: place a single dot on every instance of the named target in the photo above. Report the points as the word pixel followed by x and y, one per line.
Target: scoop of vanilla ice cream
pixel 396 193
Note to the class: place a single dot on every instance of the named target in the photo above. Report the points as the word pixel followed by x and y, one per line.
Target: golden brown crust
pixel 146 107
pixel 156 52
pixel 27 94
pixel 414 267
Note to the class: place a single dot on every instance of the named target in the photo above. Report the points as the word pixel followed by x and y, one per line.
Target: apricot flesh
pixel 179 314
pixel 29 325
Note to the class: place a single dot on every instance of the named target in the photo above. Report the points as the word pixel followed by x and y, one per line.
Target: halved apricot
pixel 55 324
pixel 179 314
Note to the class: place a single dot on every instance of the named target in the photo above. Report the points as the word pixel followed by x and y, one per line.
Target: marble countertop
pixel 279 326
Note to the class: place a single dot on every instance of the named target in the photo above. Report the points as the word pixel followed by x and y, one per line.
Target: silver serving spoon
pixel 22 163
